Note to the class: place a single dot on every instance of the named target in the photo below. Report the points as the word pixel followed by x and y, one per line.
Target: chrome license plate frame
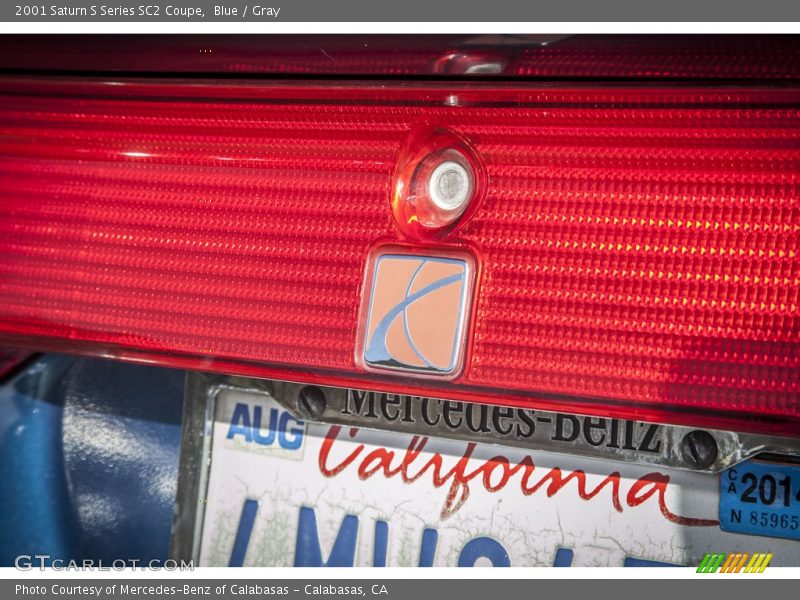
pixel 645 514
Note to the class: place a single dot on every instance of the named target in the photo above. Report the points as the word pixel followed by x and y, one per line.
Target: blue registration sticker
pixel 761 498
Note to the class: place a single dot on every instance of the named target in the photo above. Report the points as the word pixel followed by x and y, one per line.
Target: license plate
pixel 283 492
pixel 761 498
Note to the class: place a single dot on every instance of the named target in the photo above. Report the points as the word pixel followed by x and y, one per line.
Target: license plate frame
pixel 195 505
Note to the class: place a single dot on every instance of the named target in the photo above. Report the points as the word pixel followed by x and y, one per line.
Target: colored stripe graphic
pixel 758 563
pixel 718 558
pixel 742 559
pixel 701 568
pixel 733 563
pixel 767 559
pixel 727 564
pixel 711 562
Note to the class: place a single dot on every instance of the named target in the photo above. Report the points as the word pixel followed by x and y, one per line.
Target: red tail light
pixel 637 247
pixel 643 57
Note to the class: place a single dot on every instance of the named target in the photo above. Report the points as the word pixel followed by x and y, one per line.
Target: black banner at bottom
pixel 392 589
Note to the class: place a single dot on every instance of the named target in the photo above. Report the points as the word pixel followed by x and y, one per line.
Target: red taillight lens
pixel 637 247
pixel 591 57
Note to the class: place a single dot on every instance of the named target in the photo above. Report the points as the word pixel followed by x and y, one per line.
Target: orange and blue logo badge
pixel 417 314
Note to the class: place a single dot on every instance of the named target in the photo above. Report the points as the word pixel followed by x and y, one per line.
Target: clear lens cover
pixel 437 183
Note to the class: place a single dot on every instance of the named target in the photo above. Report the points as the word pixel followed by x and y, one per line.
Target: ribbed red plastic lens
pixel 592 57
pixel 637 247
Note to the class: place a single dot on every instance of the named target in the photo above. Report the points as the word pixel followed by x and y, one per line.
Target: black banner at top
pixel 445 11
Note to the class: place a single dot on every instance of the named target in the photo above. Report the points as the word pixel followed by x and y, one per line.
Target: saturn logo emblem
pixel 416 313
